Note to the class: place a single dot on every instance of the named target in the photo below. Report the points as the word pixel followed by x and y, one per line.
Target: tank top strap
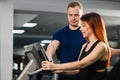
pixel 93 46
pixel 85 53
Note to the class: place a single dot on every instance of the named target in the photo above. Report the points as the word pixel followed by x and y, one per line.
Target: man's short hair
pixel 74 4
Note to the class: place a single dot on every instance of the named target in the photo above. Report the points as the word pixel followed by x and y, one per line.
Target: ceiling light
pixel 18 31
pixel 29 24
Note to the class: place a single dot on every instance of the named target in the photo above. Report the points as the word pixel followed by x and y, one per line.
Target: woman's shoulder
pixel 102 45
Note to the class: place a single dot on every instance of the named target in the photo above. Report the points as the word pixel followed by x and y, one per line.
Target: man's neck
pixel 73 27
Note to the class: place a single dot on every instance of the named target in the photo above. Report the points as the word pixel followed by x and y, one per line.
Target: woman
pixel 95 54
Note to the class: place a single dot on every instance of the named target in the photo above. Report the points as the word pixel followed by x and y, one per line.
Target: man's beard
pixel 74 25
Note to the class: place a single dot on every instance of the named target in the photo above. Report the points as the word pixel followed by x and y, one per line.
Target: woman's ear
pixel 82 13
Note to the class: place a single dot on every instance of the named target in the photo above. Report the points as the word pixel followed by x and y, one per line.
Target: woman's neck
pixel 92 39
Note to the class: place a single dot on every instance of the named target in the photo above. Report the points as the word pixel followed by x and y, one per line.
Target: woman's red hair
pixel 95 21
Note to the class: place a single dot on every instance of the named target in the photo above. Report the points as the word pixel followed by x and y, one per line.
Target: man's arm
pixel 115 52
pixel 68 72
pixel 51 49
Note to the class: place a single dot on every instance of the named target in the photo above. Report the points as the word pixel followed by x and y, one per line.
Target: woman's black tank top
pixel 90 72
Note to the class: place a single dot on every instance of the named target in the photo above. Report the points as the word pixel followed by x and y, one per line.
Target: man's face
pixel 74 14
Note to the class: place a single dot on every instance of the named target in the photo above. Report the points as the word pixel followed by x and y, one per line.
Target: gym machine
pixel 35 54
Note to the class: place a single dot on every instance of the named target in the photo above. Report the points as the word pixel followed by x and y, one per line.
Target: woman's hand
pixel 47 65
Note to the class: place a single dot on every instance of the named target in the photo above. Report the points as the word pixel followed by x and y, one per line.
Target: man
pixel 68 39
pixel 114 74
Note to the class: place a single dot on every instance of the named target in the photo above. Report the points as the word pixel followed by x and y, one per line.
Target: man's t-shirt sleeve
pixel 56 36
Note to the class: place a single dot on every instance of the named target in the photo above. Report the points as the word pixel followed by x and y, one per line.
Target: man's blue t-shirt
pixel 71 42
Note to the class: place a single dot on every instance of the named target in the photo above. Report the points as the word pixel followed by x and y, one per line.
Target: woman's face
pixel 85 29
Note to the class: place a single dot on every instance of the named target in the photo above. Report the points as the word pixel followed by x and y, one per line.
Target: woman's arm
pixel 99 52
